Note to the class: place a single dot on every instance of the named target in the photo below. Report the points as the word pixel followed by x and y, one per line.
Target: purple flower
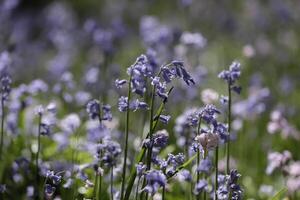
pixel 45 129
pixel 119 83
pixel 164 118
pixel 2 188
pixel 93 108
pixel 160 139
pixel 184 175
pixel 155 179
pixel 232 74
pixel 175 160
pixel 123 104
pixel 96 110
pixel 54 178
pixel 49 190
pixel 228 185
pixel 140 169
pixel 108 152
pixel 5 87
pixel 182 73
pixel 200 186
pixel 205 166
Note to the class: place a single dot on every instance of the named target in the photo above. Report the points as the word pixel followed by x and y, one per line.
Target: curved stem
pixel 229 129
pixel 126 139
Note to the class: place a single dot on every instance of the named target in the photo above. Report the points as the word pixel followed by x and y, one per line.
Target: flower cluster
pixel 155 179
pixel 229 187
pixel 108 152
pixel 53 181
pixel 232 75
pixel 96 110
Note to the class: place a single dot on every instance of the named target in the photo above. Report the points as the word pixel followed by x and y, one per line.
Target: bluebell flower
pixel 45 129
pixel 106 112
pixel 232 74
pixel 175 160
pixel 140 169
pixel 119 83
pixel 222 130
pixel 54 178
pixel 167 74
pixel 5 61
pixel 5 87
pixel 123 104
pixel 136 104
pixel 155 81
pixel 93 108
pixel 154 179
pixel 208 114
pixel 138 72
pixel 228 185
pixel 205 166
pixel 2 188
pixel 184 175
pixel 182 73
pixel 200 186
pixel 96 110
pixel 49 191
pixel 110 152
pixel 160 139
pixel 164 118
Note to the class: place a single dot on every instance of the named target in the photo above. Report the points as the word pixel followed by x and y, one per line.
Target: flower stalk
pixel 229 130
pixel 126 138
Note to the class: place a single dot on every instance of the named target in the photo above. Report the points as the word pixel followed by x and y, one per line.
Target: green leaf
pixel 279 194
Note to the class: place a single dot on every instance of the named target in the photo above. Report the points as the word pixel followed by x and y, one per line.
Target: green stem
pixel 141 155
pixel 163 192
pixel 205 176
pixel 149 156
pixel 137 189
pixel 37 177
pixel 229 129
pixel 2 127
pixel 216 173
pixel 126 139
pixel 111 183
pixel 99 187
pixel 95 187
pixel 100 177
pixel 198 156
